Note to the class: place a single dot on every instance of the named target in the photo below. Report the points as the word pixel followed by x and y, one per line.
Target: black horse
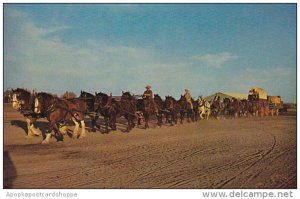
pixel 253 105
pixel 196 109
pixel 127 107
pixel 244 108
pixel 228 108
pixel 107 107
pixel 147 108
pixel 217 108
pixel 160 107
pixel 185 107
pixel 59 111
pixel 23 101
pixel 91 106
pixel 172 108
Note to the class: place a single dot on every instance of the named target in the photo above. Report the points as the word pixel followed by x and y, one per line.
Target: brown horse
pixel 217 108
pixel 145 106
pixel 127 107
pixel 185 107
pixel 196 109
pixel 59 111
pixel 23 101
pixel 160 107
pixel 173 108
pixel 107 107
pixel 110 109
pixel 253 105
pixel 91 108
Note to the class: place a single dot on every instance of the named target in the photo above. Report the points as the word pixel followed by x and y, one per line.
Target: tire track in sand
pixel 263 155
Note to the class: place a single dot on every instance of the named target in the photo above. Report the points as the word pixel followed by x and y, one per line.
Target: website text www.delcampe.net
pixel 247 194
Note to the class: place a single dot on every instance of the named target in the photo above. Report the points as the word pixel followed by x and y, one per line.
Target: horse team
pixel 60 111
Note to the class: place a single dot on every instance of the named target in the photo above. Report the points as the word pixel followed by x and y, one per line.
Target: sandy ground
pixel 239 153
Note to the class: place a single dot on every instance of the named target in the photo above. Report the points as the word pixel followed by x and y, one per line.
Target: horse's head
pixel 126 94
pixel 169 102
pixel 157 98
pixel 226 101
pixel 86 96
pixel 182 100
pixel 101 98
pixel 81 94
pixel 42 102
pixel 20 97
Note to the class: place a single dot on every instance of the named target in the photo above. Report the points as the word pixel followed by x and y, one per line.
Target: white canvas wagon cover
pixel 262 92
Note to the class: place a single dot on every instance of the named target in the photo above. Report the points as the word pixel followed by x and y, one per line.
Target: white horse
pixel 204 108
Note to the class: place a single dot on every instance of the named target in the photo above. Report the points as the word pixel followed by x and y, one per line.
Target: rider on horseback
pixel 188 97
pixel 148 94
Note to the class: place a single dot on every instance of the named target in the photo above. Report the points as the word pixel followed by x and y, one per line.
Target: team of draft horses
pixel 58 111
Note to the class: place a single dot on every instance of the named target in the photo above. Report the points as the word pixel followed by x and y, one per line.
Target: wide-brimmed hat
pixel 148 86
pixel 187 89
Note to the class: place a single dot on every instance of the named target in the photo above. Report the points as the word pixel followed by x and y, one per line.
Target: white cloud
pixel 47 62
pixel 216 60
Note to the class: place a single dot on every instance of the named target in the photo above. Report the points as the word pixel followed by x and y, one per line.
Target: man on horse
pixel 188 97
pixel 148 94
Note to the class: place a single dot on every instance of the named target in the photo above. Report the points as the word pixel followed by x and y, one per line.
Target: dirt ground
pixel 240 153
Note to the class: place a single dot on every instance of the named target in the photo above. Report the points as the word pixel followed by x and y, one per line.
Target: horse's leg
pixel 181 116
pixel 48 135
pixel 62 128
pixel 146 124
pixel 106 123
pixel 215 114
pixel 35 131
pixel 47 139
pixel 82 135
pixel 172 119
pixel 193 115
pixel 95 118
pixel 208 114
pixel 146 120
pixel 53 127
pixel 58 135
pixel 93 122
pixel 167 119
pixel 76 129
pixel 128 123
pixel 113 122
pixel 201 114
pixel 110 121
pixel 31 130
pixel 158 117
pixel 188 116
pixel 132 121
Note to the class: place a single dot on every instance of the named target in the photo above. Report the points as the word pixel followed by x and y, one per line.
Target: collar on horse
pixel 52 107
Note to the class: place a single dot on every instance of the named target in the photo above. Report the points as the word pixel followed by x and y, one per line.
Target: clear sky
pixel 114 47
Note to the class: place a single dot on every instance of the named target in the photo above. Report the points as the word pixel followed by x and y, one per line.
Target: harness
pixel 55 105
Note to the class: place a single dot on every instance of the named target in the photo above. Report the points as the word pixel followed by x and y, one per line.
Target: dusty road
pixel 240 153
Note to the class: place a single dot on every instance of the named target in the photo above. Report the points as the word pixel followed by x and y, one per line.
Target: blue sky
pixel 115 47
